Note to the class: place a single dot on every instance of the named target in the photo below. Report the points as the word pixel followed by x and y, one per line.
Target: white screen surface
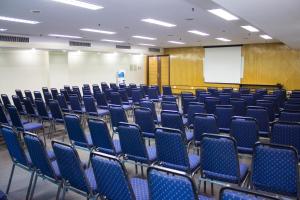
pixel 223 65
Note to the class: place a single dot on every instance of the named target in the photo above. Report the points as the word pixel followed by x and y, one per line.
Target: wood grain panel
pixel 164 67
pixel 153 67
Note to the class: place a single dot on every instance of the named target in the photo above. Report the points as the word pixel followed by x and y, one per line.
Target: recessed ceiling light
pixel 223 39
pixel 115 41
pixel 3 29
pixel 98 31
pixel 176 42
pixel 250 28
pixel 18 20
pixel 266 37
pixel 150 45
pixel 80 4
pixel 143 37
pixel 223 14
pixel 64 36
pixel 198 32
pixel 158 22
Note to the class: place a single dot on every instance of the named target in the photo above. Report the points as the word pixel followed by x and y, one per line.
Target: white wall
pixel 33 69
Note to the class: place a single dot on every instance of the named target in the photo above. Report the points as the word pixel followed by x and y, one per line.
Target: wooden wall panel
pixel 153 69
pixel 164 67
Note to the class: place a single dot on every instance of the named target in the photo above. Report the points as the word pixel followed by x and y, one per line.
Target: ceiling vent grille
pixel 123 47
pixel 157 50
pixel 10 38
pixel 79 44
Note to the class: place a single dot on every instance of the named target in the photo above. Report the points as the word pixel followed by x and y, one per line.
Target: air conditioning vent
pixel 123 47
pixel 79 44
pixel 10 38
pixel 157 50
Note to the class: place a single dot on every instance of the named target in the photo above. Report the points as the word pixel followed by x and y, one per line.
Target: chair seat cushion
pixel 148 135
pixel 204 197
pixel 91 178
pixel 117 146
pixel 56 169
pixel 32 126
pixel 152 153
pixel 245 150
pixel 263 133
pixel 103 112
pixel 194 161
pixel 85 145
pixel 140 188
pixel 127 107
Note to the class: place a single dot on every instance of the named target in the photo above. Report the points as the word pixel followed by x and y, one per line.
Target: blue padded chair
pixel 286 133
pixel 150 104
pixel 132 85
pixel 193 108
pixel 76 176
pixel 19 94
pixel 18 156
pixel 185 103
pixel 76 106
pixel 262 117
pixel 65 94
pixel 37 95
pixel 153 94
pixel 44 164
pixel 75 131
pixel 236 94
pixel 169 105
pixel 44 115
pixel 293 100
pixel 173 119
pixel 169 98
pixel 54 93
pixel 122 85
pixel 117 114
pixel 96 88
pixel 201 96
pixel 245 131
pixel 275 100
pixel 230 193
pixel 169 184
pixel 48 97
pixel 224 114
pixel 157 89
pixel 204 123
pixel 20 126
pixel 101 100
pixel 137 96
pixel 104 86
pixel 225 98
pixel 63 103
pixel 113 181
pixel 291 106
pixel 144 89
pixel 227 90
pixel 45 90
pixel 228 168
pixel 5 100
pixel 117 100
pixel 101 138
pixel 144 118
pixel 167 90
pixel 76 91
pixel 210 104
pixel 172 151
pixel 133 144
pixel 289 116
pixel 29 108
pixel 270 106
pixel 199 91
pixel 28 95
pixel 56 113
pixel 124 97
pixel 91 109
pixel 18 105
pixel 244 90
pixel 213 91
pixel 249 98
pixel 275 169
pixel 239 106
pixel 3 118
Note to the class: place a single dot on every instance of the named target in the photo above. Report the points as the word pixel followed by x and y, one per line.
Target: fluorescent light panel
pixel 3 29
pixel 223 39
pixel 98 31
pixel 80 4
pixel 158 22
pixel 266 37
pixel 223 14
pixel 150 45
pixel 176 42
pixel 114 41
pixel 10 19
pixel 198 33
pixel 250 28
pixel 64 36
pixel 143 37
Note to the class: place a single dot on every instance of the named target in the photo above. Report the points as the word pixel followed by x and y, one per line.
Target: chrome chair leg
pixel 10 178
pixel 29 187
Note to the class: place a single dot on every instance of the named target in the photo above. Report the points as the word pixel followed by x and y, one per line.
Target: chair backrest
pixel 75 131
pixel 54 93
pixel 245 132
pixel 293 100
pixel 239 106
pixel 38 155
pixel 199 91
pixel 100 136
pixel 269 105
pixel 171 149
pixel 291 106
pixel 37 95
pixel 210 104
pixel 55 110
pixel 193 108
pixel 224 114
pixel 144 89
pixel 149 104
pixel 5 99
pixel 45 90
pixel 236 94
pixel 244 90
pixel 229 193
pixel 41 109
pixel 15 117
pixel 19 94
pixel 75 104
pixel 169 105
pixel 28 94
pixel 275 169
pixel 224 150
pixel 65 93
pixel 62 102
pixel 3 117
pixel 204 123
pixel 165 183
pixel 104 86
pixel 29 107
pixel 213 91
pixel 47 97
pixel 153 93
pixel 172 119
pixel 70 166
pixel 115 98
pixel 169 98
pixel 227 90
pixel 96 88
pixel 202 95
pixel 261 115
pixel 185 103
pixel 90 106
pixel 18 104
pixel 136 96
pixel 225 98
pixel 249 98
pixel 286 133
pixel 144 118
pixel 101 100
pixel 76 90
pixel 111 176
pixel 14 147
pixel 124 95
pixel 117 114
pixel 289 116
pixel 132 142
pixel 167 90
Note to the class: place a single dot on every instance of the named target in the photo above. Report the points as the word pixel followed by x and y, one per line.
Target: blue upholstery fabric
pixel 18 104
pixel 292 106
pixel 269 105
pixel 144 118
pixel 101 100
pixel 3 118
pixel 167 90
pixel 54 93
pixel 32 126
pixel 286 134
pixel 210 104
pixel 29 107
pixel 71 168
pixel 14 117
pixel 75 105
pixel 169 98
pixel 201 96
pixel 117 114
pixel 41 109
pixel 153 94
pixel 116 98
pixel 185 103
pixel 204 124
pixel 140 188
pixel 230 194
pixel 37 95
pixel 137 96
pixel 192 109
pixel 151 106
pixel 6 101
pixel 245 132
pixel 55 111
pixel 289 116
pixel 249 98
pixel 166 105
pixel 275 169
pixel 239 106
pixel 61 99
pixel 223 150
pixel 262 118
pixel 224 114
pixel 225 98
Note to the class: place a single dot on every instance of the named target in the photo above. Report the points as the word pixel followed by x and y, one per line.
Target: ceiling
pixel 124 17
